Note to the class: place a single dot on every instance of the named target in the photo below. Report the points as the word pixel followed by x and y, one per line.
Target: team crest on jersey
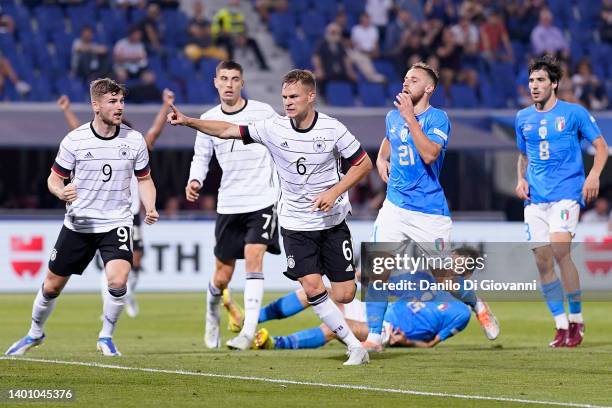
pixel 404 134
pixel 527 127
pixel 124 152
pixel 290 262
pixel 442 306
pixel 559 123
pixel 565 215
pixel 439 244
pixel 319 145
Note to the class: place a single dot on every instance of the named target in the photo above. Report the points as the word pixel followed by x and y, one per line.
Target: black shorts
pixel 73 251
pixel 327 252
pixel 137 243
pixel 234 231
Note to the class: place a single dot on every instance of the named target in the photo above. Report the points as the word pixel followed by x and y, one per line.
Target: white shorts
pixel 355 311
pixel 541 220
pixel 395 224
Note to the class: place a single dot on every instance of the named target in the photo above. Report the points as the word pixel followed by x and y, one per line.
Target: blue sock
pixel 309 338
pixel 466 296
pixel 575 302
pixel 285 306
pixel 553 294
pixel 375 312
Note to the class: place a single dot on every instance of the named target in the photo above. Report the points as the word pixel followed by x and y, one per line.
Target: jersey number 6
pixel 301 168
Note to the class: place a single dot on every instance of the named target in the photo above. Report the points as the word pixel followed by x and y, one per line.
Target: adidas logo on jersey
pixel 265 235
pixel 124 247
pixel 349 268
pixel 285 145
pixel 89 155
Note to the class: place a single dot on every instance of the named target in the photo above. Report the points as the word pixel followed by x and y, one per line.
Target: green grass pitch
pixel 167 335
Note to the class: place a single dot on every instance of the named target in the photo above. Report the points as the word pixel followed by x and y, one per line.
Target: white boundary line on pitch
pixel 305 383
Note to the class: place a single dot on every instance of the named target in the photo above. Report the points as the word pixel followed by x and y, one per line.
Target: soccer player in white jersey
pixel 409 161
pixel 306 147
pixel 246 221
pixel 151 136
pixel 99 157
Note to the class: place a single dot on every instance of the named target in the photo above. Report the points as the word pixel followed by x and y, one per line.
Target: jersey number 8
pixel 544 152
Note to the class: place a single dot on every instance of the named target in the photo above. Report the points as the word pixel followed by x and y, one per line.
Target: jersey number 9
pixel 406 155
pixel 107 170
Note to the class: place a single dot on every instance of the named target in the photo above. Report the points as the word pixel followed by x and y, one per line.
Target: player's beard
pixel 110 119
pixel 416 98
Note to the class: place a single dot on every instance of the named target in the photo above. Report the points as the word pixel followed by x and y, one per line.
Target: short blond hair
pixel 432 73
pixel 303 76
pixel 102 86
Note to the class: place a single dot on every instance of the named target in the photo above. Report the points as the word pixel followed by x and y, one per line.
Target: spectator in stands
pixel 494 38
pixel 396 31
pixel 588 88
pixel 522 18
pixel 7 25
pixel 466 34
pixel 330 59
pixel 471 9
pixel 548 39
pixel 605 23
pixel 7 71
pixel 152 28
pixel 441 10
pixel 265 7
pixel 342 21
pixel 145 91
pixel 364 37
pixel 229 29
pixel 378 10
pixel 90 60
pixel 449 53
pixel 565 90
pixel 198 14
pixel 410 48
pixel 599 213
pixel 130 55
pixel 200 44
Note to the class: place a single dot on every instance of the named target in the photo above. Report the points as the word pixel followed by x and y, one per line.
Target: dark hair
pixel 229 65
pixel 432 73
pixel 303 76
pixel 549 64
pixel 469 253
pixel 102 86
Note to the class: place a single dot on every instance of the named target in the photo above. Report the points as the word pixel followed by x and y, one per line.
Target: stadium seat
pixel 372 94
pixel 181 68
pixel 505 91
pixel 50 20
pixel 328 9
pixel 313 26
pixel 283 26
pixel 72 87
pixel 300 51
pixel 354 7
pixel 339 93
pixel 438 99
pixel 387 69
pixel 463 96
pixel 81 16
pixel 299 7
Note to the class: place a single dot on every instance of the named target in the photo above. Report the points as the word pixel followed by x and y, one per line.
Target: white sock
pixel 213 301
pixel 41 309
pixel 561 321
pixel 253 295
pixel 575 318
pixel 374 338
pixel 114 302
pixel 329 314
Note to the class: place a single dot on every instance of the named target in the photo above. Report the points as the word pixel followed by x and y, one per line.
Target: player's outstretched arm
pixel 147 191
pixel 382 161
pixel 399 339
pixel 64 103
pixel 216 128
pixel 160 119
pixel 67 193
pixel 325 201
pixel 428 149
pixel 522 186
pixel 590 190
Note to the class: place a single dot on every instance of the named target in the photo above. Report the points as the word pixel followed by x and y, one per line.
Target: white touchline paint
pixel 306 383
